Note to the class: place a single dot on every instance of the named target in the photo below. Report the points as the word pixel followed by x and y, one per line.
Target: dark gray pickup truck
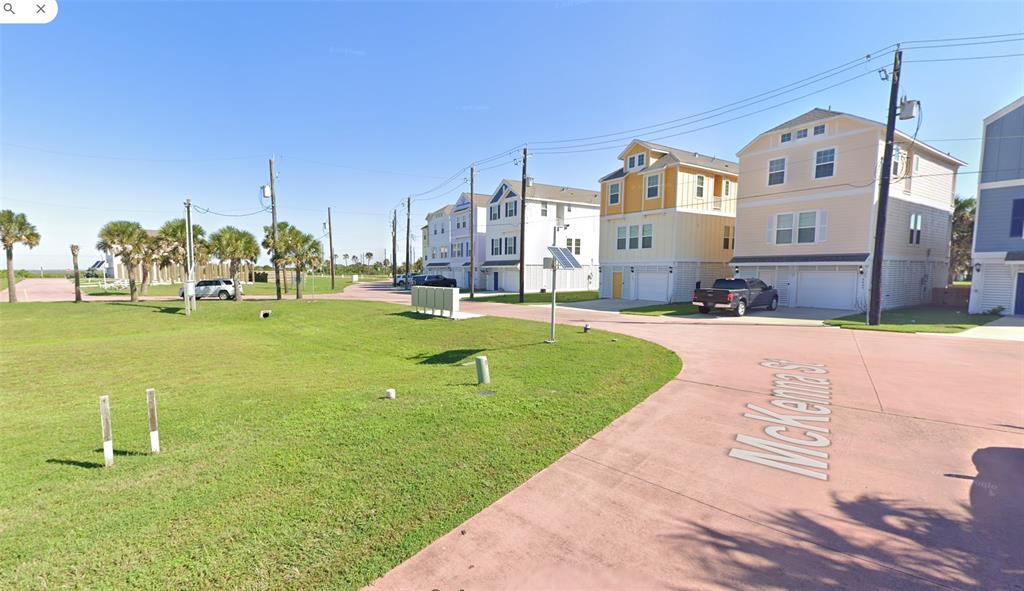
pixel 738 295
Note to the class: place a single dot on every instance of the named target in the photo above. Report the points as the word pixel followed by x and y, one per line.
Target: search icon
pixel 8 7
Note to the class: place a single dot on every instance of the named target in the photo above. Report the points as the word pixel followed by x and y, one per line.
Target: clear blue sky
pixel 122 109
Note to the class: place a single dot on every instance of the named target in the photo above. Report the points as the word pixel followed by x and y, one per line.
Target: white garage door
pixel 827 289
pixel 651 286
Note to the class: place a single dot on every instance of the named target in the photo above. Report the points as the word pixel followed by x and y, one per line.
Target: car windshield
pixel 730 284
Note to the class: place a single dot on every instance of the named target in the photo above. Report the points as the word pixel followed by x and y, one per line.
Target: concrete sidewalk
pixel 1007 328
pixel 911 476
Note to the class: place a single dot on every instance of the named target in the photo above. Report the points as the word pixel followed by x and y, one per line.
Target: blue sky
pixel 122 109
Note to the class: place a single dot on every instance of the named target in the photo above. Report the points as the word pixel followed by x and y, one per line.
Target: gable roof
pixel 1013 106
pixel 817 114
pixel 673 156
pixel 479 199
pixel 555 192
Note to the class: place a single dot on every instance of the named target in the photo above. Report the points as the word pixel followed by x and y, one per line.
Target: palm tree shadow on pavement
pixel 880 543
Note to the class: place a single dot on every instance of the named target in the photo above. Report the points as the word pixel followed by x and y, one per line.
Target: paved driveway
pixel 909 476
pixel 1007 328
pixel 42 290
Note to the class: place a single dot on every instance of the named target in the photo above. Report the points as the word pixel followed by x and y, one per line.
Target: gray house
pixel 998 252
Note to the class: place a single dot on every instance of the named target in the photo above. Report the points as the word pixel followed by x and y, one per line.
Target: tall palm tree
pixel 124 240
pixel 369 257
pixel 305 251
pixel 345 258
pixel 284 235
pixel 175 252
pixel 15 229
pixel 152 252
pixel 237 247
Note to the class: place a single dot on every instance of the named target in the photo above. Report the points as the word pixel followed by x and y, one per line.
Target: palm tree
pixel 369 257
pixel 125 240
pixel 284 234
pixel 305 251
pixel 172 235
pixel 152 252
pixel 237 247
pixel 15 229
pixel 78 279
pixel 345 258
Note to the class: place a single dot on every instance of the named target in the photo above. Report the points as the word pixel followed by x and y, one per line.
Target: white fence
pixel 436 300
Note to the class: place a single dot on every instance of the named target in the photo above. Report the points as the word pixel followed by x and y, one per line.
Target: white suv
pixel 214 288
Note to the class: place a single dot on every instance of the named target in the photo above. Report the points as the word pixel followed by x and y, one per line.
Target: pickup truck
pixel 738 295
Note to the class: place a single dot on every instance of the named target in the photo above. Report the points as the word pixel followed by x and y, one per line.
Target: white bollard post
pixel 483 372
pixel 390 393
pixel 154 432
pixel 108 437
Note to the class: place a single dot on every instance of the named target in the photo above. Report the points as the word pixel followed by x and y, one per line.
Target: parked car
pixel 410 279
pixel 435 281
pixel 738 295
pixel 214 288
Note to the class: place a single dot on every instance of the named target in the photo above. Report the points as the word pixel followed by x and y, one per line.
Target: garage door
pixel 827 289
pixel 651 286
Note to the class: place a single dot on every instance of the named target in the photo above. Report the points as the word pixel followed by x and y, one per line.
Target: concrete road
pixel 781 457
pixel 42 290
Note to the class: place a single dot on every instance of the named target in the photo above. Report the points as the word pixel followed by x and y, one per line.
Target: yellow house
pixel 806 212
pixel 667 223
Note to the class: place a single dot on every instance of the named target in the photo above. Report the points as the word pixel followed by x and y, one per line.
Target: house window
pixel 819 130
pixel 1017 219
pixel 444 252
pixel 636 161
pixel 726 187
pixel 824 163
pixel 653 186
pixel 578 245
pixel 807 222
pixel 510 208
pixel 433 253
pixel 915 228
pixel 634 237
pixel 700 186
pixel 543 209
pixel 917 163
pixel 786 137
pixel 435 230
pixel 569 245
pixel 728 237
pixel 620 238
pixel 801 134
pixel 495 212
pixel 896 155
pixel 784 228
pixel 442 229
pixel 647 236
pixel 776 171
pixel 613 194
pixel 495 246
pixel 510 244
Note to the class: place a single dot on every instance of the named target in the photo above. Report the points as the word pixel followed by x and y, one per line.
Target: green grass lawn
pixel 677 309
pixel 318 284
pixel 540 298
pixel 282 466
pixel 917 319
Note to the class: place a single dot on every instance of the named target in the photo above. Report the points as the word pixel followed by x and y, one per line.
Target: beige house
pixel 668 219
pixel 806 212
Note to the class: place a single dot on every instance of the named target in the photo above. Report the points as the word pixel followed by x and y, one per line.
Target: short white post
pixel 108 437
pixel 390 393
pixel 154 432
pixel 483 372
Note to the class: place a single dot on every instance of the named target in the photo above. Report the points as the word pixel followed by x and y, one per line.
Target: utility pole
pixel 472 231
pixel 875 302
pixel 522 233
pixel 273 229
pixel 394 247
pixel 190 262
pixel 408 244
pixel 330 242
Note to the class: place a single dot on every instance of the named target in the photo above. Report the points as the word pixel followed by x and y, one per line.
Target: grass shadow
pixel 415 315
pixel 76 463
pixel 122 452
pixel 163 309
pixel 449 357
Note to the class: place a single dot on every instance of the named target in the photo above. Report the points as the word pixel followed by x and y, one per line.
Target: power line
pixel 960 59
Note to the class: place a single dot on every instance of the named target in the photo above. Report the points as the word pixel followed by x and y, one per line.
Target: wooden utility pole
pixel 78 279
pixel 408 244
pixel 472 232
pixel 875 302
pixel 330 242
pixel 522 233
pixel 273 230
pixel 394 247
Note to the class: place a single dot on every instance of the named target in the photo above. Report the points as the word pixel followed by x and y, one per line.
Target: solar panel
pixel 565 258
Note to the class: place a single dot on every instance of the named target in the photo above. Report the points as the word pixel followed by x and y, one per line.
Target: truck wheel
pixel 741 308
pixel 705 309
pixel 223 295
pixel 774 305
